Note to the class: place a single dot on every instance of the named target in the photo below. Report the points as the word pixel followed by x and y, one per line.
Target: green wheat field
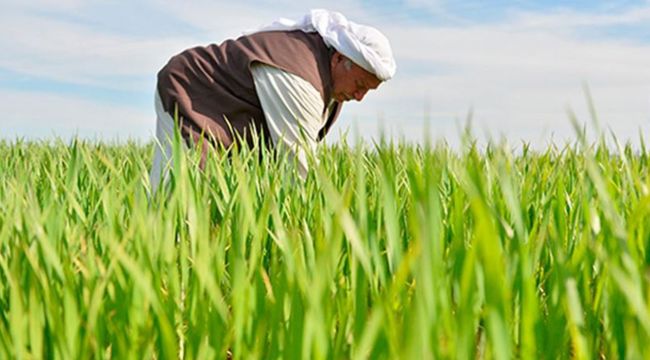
pixel 385 251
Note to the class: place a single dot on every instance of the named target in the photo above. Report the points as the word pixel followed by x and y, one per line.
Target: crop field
pixel 385 251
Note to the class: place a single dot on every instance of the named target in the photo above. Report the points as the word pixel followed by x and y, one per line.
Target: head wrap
pixel 364 45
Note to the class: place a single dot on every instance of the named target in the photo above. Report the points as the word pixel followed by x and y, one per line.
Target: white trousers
pixel 163 155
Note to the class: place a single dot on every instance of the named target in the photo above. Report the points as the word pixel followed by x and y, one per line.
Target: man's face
pixel 350 81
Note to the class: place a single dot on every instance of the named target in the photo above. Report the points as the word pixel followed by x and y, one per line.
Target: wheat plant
pixel 385 251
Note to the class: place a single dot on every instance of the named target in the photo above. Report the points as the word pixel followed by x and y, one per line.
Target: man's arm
pixel 293 109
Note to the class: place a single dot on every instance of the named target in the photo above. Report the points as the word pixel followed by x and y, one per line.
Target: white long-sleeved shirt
pixel 293 110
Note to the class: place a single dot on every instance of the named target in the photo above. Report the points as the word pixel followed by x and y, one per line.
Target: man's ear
pixel 337 58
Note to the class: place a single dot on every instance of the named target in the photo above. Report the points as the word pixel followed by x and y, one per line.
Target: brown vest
pixel 212 87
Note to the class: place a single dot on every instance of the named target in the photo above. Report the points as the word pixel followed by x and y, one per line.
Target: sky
pixel 515 69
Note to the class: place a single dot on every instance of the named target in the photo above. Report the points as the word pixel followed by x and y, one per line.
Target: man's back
pixel 213 86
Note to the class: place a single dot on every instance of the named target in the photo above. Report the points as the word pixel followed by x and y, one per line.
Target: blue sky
pixel 88 67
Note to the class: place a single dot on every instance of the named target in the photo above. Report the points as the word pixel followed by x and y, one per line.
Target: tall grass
pixel 390 251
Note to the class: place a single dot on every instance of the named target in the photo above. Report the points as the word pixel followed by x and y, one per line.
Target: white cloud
pixel 564 19
pixel 222 19
pixel 41 115
pixel 435 6
pixel 73 53
pixel 519 82
pixel 58 5
pixel 49 47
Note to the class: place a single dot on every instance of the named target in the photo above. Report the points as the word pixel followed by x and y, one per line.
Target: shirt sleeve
pixel 293 110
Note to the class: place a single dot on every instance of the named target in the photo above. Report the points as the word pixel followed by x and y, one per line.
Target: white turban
pixel 364 45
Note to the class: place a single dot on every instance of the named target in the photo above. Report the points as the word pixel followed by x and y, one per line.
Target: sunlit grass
pixel 388 251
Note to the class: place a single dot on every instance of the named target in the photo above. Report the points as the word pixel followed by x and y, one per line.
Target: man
pixel 286 82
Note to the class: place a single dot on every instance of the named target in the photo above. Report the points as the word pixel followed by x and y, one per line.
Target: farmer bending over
pixel 287 81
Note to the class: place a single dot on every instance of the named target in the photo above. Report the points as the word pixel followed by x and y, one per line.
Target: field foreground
pixel 394 251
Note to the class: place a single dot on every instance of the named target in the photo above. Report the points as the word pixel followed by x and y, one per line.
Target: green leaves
pixel 390 251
